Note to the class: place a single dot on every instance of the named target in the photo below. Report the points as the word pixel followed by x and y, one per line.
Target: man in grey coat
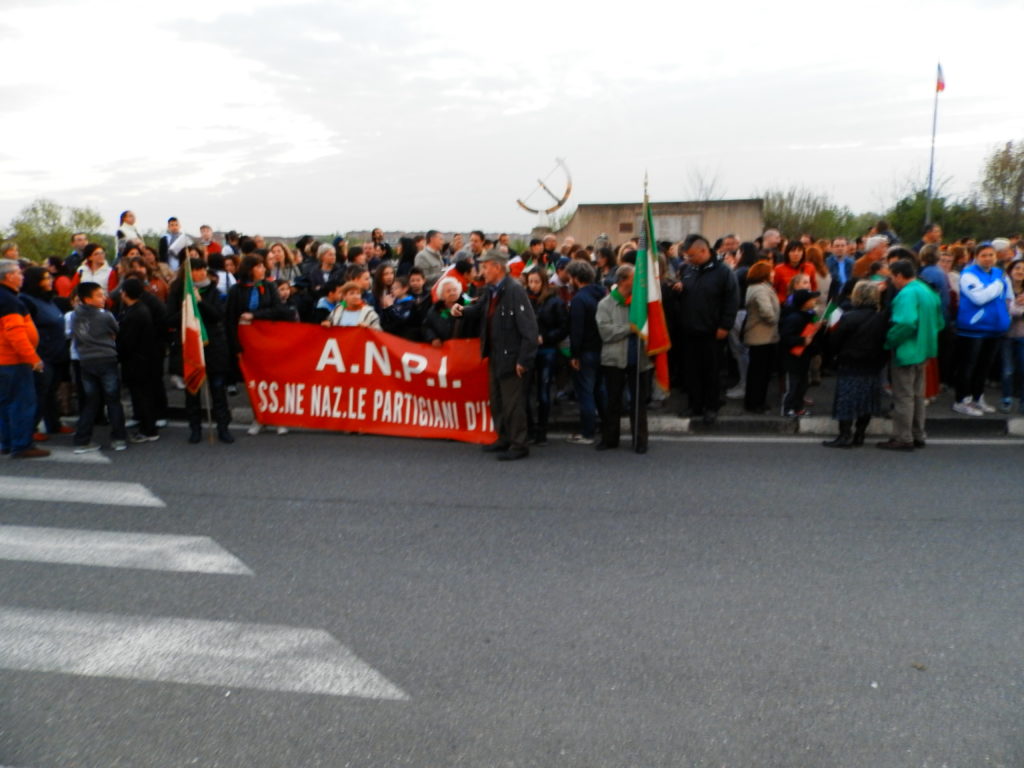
pixel 508 338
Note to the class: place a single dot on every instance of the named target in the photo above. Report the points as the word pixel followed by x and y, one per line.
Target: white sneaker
pixel 254 428
pixel 161 423
pixel 985 407
pixel 88 448
pixel 579 440
pixel 967 408
pixel 131 423
pixel 737 393
pixel 119 445
pixel 282 430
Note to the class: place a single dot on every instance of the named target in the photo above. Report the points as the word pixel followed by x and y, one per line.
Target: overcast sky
pixel 286 117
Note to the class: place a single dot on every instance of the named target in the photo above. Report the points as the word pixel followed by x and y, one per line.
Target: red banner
pixel 360 380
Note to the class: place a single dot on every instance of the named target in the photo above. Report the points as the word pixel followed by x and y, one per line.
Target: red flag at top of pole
pixel 940 81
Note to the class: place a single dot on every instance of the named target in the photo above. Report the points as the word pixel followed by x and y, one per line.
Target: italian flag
pixel 646 313
pixel 193 337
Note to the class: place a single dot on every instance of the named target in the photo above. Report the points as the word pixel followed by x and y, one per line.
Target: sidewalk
pixel 665 419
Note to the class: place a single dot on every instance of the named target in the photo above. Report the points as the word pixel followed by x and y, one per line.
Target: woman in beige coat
pixel 761 335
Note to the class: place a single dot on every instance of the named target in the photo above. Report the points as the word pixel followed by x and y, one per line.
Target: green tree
pixel 1002 186
pixel 44 229
pixel 797 210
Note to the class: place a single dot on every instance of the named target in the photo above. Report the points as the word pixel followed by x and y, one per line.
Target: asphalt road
pixel 708 604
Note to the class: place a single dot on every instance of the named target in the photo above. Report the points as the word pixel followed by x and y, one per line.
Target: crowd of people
pixel 553 322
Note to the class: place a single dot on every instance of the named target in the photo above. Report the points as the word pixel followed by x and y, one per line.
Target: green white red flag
pixel 646 312
pixel 193 337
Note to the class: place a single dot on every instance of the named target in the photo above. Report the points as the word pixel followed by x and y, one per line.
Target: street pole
pixel 931 164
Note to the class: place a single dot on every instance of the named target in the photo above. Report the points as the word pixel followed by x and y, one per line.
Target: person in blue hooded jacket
pixel 982 320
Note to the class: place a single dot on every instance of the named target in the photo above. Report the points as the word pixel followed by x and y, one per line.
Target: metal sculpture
pixel 542 185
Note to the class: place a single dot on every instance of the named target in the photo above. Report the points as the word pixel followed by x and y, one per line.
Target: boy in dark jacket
pixel 95 332
pixel 797 329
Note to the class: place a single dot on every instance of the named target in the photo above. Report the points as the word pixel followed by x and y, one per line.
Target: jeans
pixel 589 387
pixel 974 359
pixel 537 416
pixel 17 407
pixel 102 384
pixel 46 398
pixel 1013 365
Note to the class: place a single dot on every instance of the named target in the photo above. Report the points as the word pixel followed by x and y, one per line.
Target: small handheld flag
pixel 940 81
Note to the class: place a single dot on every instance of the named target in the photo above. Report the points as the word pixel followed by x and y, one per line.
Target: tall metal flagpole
pixel 639 337
pixel 931 164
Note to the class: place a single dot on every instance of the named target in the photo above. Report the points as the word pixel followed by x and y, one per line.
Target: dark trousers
pixel 219 398
pixel 538 404
pixel 46 398
pixel 702 362
pixel 796 381
pixel 508 408
pixel 974 357
pixel 17 407
pixel 159 393
pixel 759 374
pixel 102 384
pixel 590 394
pixel 619 381
pixel 142 388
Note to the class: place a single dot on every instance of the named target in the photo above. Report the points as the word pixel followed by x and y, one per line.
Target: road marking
pixel 62 455
pixel 263 656
pixel 817 440
pixel 81 491
pixel 149 551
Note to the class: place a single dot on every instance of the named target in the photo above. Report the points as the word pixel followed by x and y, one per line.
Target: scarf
pixel 622 301
pixel 254 295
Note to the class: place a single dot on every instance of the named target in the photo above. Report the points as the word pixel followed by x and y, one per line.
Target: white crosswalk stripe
pixel 261 656
pixel 149 551
pixel 79 491
pixel 63 455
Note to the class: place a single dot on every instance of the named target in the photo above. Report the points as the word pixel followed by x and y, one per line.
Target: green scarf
pixel 621 300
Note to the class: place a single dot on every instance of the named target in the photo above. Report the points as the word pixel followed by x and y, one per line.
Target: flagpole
pixel 209 409
pixel 931 164
pixel 639 339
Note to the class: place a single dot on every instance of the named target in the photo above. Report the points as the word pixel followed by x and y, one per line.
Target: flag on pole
pixel 646 313
pixel 940 81
pixel 193 337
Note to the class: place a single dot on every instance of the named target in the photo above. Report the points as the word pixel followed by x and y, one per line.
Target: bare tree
pixel 705 185
pixel 1002 184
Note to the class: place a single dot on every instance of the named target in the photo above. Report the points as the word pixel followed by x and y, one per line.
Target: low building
pixel 672 221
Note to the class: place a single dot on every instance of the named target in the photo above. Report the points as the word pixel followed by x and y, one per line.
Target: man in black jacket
pixel 508 338
pixel 136 347
pixel 707 307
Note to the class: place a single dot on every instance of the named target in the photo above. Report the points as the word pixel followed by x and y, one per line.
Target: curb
pixel 771 425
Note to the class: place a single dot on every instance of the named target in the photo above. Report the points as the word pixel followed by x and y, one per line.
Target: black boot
pixel 860 430
pixel 845 439
pixel 224 434
pixel 195 434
